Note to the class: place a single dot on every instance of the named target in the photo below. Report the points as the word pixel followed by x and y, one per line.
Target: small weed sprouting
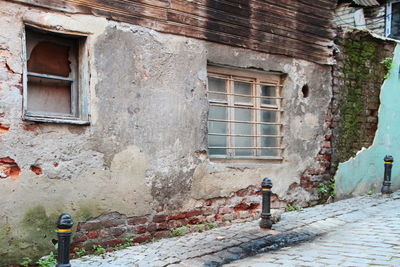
pixel 128 242
pixel 98 250
pixel 327 191
pixel 210 225
pixel 26 261
pixel 371 192
pixel 292 207
pixel 48 261
pixel 79 252
pixel 181 231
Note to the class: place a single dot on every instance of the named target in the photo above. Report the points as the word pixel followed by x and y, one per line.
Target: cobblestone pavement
pixel 373 241
pixel 368 214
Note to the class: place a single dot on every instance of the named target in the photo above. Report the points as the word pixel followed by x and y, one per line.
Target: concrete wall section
pixel 143 156
pixel 365 171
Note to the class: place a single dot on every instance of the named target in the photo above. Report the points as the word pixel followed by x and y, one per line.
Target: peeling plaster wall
pixel 365 171
pixel 145 145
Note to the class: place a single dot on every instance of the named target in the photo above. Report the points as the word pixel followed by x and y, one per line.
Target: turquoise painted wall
pixel 365 171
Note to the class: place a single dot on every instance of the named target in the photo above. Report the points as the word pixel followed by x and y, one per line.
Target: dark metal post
pixel 64 225
pixel 266 186
pixel 388 173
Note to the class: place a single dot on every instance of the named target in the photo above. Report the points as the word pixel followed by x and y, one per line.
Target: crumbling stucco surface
pixel 148 132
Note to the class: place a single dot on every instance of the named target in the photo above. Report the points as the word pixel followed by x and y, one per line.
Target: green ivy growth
pixel 387 63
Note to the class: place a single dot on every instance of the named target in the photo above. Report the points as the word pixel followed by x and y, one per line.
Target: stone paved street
pixel 373 241
pixel 357 232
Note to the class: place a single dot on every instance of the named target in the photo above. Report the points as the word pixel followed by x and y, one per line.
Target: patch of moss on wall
pixel 34 237
pixel 365 65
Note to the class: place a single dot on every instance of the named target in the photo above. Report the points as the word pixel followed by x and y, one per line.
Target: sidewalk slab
pixel 226 244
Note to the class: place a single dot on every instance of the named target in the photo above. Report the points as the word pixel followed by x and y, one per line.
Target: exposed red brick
pixel 137 220
pixel 193 220
pixel 37 170
pixel 91 226
pixel 79 237
pixel 152 227
pixel 254 206
pixel 225 210
pixel 142 238
pixel 162 226
pixel 326 144
pixel 7 160
pixel 117 231
pixel 177 216
pixel 141 229
pixel 241 206
pixel 111 243
pixel 9 167
pixel 161 234
pixel 92 234
pixel 4 128
pixel 159 218
pixel 110 223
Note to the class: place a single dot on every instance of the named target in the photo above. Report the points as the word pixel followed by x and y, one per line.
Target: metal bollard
pixel 64 225
pixel 266 186
pixel 387 176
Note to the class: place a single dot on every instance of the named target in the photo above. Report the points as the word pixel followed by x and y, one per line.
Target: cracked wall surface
pixel 144 153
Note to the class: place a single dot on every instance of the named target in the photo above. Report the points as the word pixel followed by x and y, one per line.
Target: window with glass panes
pixel 245 114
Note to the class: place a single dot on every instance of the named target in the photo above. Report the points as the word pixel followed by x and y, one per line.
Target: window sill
pixel 245 160
pixel 75 121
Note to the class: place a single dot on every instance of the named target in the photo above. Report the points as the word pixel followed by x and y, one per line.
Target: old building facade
pixel 139 117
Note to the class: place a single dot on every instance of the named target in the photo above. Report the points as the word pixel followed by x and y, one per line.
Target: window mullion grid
pixel 257 113
pixel 230 98
pixel 278 117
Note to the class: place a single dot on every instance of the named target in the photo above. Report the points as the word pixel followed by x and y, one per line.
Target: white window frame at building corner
pixel 79 81
pixel 388 24
pixel 256 79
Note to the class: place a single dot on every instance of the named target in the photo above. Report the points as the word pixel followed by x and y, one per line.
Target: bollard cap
pixel 65 221
pixel 266 183
pixel 388 158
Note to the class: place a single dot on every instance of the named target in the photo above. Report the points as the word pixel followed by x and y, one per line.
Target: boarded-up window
pixel 245 114
pixel 52 76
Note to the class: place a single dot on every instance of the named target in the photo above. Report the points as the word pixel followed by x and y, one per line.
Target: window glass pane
pixel 48 95
pixel 242 88
pixel 243 152
pixel 272 152
pixel 268 116
pixel 217 127
pixel 240 141
pixel 217 113
pixel 242 128
pixel 217 85
pixel 395 24
pixel 267 90
pixel 217 141
pixel 243 114
pixel 269 142
pixel 269 129
pixel 217 151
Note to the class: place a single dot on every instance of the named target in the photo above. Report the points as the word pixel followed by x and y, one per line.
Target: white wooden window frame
pixel 257 79
pixel 79 87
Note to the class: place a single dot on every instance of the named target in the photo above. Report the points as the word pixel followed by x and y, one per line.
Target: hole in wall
pixel 305 91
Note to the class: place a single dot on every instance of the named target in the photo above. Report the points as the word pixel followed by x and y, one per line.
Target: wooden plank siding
pixel 296 28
